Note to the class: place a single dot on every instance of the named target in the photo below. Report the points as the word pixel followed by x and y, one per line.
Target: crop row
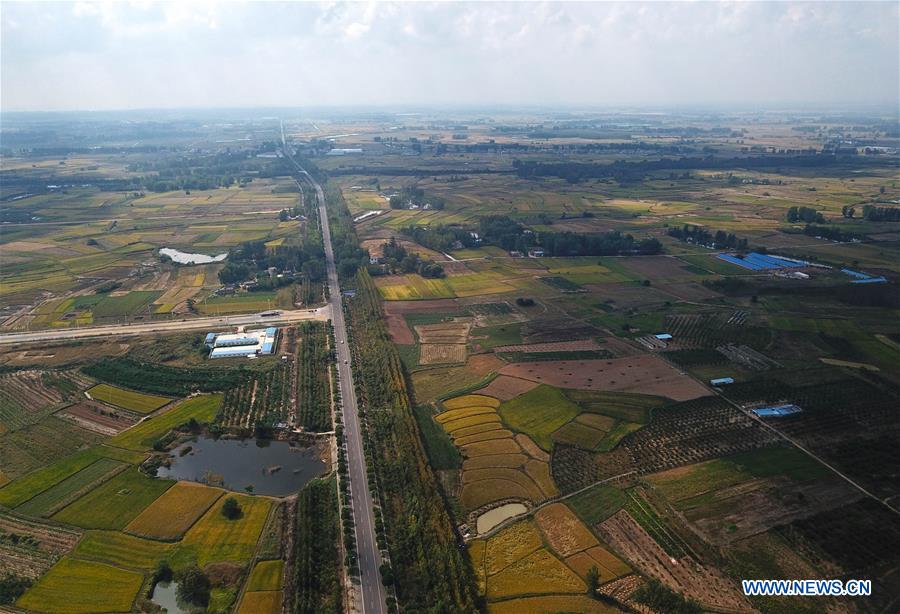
pixel 313 363
pixel 262 399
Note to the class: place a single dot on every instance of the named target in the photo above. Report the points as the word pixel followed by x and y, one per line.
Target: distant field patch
pixel 116 502
pixel 538 413
pixel 598 503
pixel 127 399
pixel 442 353
pixel 143 435
pixel 83 587
pixel 125 305
pixel 26 487
pixel 261 602
pixel 538 573
pixel 122 550
pixel 216 538
pixel 60 494
pixel 173 513
pixel 266 576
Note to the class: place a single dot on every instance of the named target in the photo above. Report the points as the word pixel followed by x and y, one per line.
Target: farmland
pixel 174 512
pixel 127 399
pixel 561 346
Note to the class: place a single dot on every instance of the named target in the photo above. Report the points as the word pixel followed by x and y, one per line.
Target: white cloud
pixel 148 54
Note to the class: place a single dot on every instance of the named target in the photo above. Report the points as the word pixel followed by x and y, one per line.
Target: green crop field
pixel 597 503
pixel 266 576
pixel 126 305
pixel 251 301
pixel 122 550
pixel 55 496
pixel 83 587
pixel 538 413
pixel 116 502
pixel 128 399
pixel 142 435
pixel 26 487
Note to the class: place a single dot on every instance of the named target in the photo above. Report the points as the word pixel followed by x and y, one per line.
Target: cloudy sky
pixel 86 55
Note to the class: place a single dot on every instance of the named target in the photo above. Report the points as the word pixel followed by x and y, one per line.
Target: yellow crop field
pixel 551 604
pixel 607 560
pixel 128 399
pixel 463 412
pixel 482 492
pixel 482 448
pixel 82 587
pixel 477 549
pixel 442 353
pixel 539 471
pixel 539 572
pixel 485 436
pixel 266 576
pixel 495 460
pixel 215 538
pixel 474 430
pixel 563 530
pixel 261 602
pixel 471 400
pixel 174 512
pixel 509 545
pixel 471 421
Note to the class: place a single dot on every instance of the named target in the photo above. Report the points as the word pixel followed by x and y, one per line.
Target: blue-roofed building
pixel 777 411
pixel 763 262
pixel 247 344
pixel 664 337
pixel 721 381
pixel 210 340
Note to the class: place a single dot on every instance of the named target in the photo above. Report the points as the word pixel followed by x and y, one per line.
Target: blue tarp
pixel 870 280
pixel 761 262
pixel 777 411
pixel 722 380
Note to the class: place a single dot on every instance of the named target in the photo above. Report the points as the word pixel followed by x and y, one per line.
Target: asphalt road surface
pixel 373 593
pixel 165 326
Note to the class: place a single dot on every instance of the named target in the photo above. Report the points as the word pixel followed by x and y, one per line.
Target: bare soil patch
pixel 98 418
pixel 442 353
pixel 641 374
pixel 558 346
pixel 505 388
pixel 707 585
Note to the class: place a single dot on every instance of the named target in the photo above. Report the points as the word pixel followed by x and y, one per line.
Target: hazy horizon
pixel 587 56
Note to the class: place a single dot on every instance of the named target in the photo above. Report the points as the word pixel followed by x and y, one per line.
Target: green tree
pixel 593 581
pixel 231 509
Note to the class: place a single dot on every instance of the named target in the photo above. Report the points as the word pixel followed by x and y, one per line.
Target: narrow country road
pixel 165 326
pixel 373 594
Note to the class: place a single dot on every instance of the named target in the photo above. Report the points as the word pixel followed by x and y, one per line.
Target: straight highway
pixel 164 326
pixel 373 593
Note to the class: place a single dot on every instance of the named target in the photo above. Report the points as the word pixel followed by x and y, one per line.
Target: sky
pixel 144 55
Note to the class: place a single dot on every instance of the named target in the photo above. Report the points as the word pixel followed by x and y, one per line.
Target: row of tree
pixel 701 236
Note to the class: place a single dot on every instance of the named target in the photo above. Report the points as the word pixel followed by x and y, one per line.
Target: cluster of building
pixel 248 344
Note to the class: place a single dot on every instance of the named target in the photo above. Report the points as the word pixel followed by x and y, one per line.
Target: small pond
pixel 274 468
pixel 165 595
pixel 492 518
pixel 185 258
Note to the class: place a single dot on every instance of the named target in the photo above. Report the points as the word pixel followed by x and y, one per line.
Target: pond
pixel 185 258
pixel 274 468
pixel 165 595
pixel 492 518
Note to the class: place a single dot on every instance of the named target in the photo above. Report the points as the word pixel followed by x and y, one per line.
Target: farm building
pixel 252 343
pixel 863 278
pixel 664 337
pixel 777 411
pixel 338 151
pixel 721 381
pixel 762 262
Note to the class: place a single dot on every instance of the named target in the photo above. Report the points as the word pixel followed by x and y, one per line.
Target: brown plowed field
pixel 641 374
pixel 506 388
pixel 557 346
pixel 396 323
pixel 89 416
